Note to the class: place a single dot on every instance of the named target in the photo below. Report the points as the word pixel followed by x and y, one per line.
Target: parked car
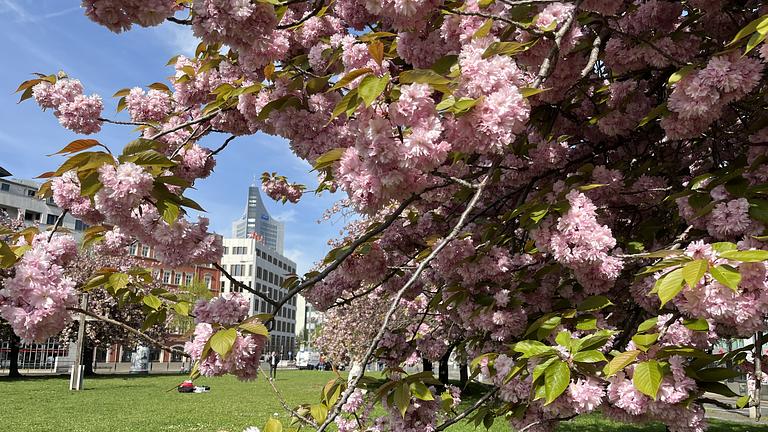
pixel 308 360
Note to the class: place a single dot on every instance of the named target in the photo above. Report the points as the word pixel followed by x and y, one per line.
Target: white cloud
pixel 179 39
pixel 286 216
pixel 297 256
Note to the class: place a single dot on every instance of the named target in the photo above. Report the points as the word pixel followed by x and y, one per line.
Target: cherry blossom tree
pixel 570 195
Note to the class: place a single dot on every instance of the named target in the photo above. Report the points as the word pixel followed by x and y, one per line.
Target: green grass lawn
pixel 144 404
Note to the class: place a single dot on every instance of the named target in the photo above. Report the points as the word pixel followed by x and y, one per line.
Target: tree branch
pixel 281 399
pixel 206 117
pixel 57 225
pixel 549 63
pixel 223 146
pixel 125 123
pixel 236 282
pixel 396 301
pixel 130 329
pixel 313 12
pixel 468 411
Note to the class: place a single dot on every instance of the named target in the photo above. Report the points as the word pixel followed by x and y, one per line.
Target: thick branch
pixel 206 117
pixel 548 65
pixel 396 301
pixel 130 329
pixel 313 12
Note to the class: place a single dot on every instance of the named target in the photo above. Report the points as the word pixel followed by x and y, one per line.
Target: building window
pixel 31 192
pixel 222 286
pixel 31 216
pixel 226 250
pixel 239 250
pixel 250 269
pixel 208 281
pixel 258 272
pixel 51 219
pixel 80 225
pixel 145 251
pixel 177 278
pixel 166 277
pixel 188 279
pixel 271 279
pixel 5 187
pixel 238 269
pixel 132 249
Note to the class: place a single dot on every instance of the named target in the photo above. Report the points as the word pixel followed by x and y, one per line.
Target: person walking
pixel 274 359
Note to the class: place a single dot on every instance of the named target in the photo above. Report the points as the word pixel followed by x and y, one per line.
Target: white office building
pixel 261 268
pixel 18 200
pixel 257 223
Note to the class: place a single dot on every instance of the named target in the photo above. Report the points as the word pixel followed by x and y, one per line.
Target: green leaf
pixel 696 324
pixel 586 323
pixel 150 158
pixel 647 324
pixel 119 281
pixel 420 391
pixel 677 76
pixel 507 48
pixel 669 285
pixel 647 377
pixel 222 341
pixel 591 356
pixel 532 348
pixel 78 145
pixel 746 255
pixel 556 380
pixel 653 114
pixel 645 340
pixel 483 30
pixel 593 303
pixel 256 328
pixel 7 257
pixel 348 103
pixel 717 387
pixel 371 87
pixel 348 78
pixel 694 271
pixel 152 301
pixel 328 158
pixel 564 339
pixel 319 412
pixel 619 362
pixel 422 76
pixel 182 308
pixel 726 275
pixel 758 210
pixel 717 374
pixel 402 398
pixel 527 92
pixel 742 401
pixel 273 425
pixel 760 24
pixel 94 282
pixel 723 246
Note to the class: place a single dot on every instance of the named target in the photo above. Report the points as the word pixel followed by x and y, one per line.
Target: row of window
pixel 239 270
pixel 243 250
pixel 177 277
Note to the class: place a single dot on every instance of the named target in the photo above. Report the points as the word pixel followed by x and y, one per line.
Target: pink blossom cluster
pixel 227 309
pixel 195 162
pixel 143 106
pixel 67 195
pixel 75 111
pixel 119 15
pixel 578 241
pixel 278 189
pixel 242 360
pixel 700 97
pixel 36 299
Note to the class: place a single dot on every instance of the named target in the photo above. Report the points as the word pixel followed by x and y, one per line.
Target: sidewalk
pixel 734 415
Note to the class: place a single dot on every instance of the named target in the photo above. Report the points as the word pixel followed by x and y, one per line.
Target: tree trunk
pixel 426 365
pixel 13 368
pixel 89 351
pixel 463 375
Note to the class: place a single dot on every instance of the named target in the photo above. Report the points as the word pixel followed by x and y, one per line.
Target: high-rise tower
pixel 257 223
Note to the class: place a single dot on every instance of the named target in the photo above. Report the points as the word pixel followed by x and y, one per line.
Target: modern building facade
pixel 259 267
pixel 257 223
pixel 18 199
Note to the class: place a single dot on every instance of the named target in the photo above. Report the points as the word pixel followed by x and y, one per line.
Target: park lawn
pixel 144 404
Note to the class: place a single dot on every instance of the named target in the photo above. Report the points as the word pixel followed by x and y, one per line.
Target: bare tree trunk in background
pixel 13 368
pixel 426 365
pixel 463 374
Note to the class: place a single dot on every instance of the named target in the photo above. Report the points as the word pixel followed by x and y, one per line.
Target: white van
pixel 307 360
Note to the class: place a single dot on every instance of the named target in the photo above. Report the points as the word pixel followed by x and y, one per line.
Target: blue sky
pixel 51 35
